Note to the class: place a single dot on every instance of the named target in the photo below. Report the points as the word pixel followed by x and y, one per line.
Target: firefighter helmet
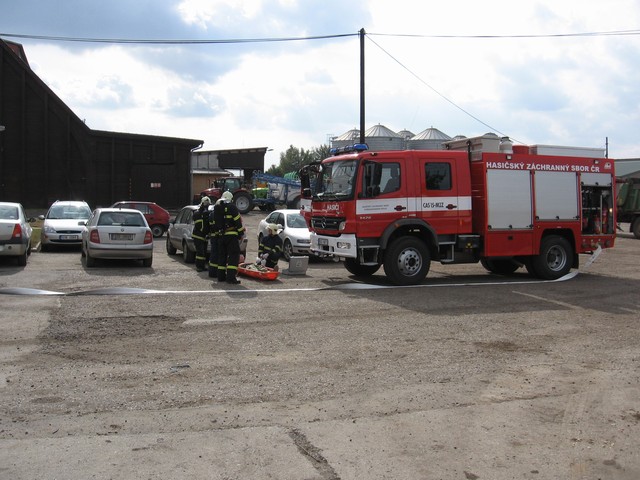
pixel 227 196
pixel 274 228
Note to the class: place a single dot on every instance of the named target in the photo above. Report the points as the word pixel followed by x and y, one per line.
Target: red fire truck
pixel 480 200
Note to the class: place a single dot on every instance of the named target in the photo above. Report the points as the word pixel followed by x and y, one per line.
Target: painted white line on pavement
pixel 344 286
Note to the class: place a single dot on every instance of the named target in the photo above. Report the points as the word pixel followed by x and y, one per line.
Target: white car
pixel 15 232
pixel 64 223
pixel 119 234
pixel 295 234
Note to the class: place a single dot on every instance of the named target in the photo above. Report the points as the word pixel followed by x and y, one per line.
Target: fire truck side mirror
pixel 306 192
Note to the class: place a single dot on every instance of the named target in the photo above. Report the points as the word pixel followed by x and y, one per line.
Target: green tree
pixel 295 158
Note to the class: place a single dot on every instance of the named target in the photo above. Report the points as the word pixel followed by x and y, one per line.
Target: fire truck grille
pixel 326 223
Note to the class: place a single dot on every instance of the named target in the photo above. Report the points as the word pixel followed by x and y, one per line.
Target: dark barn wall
pixel 48 153
pixel 141 168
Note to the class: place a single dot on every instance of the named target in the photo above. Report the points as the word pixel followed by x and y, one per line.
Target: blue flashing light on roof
pixel 357 147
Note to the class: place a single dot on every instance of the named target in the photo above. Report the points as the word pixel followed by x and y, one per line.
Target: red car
pixel 157 217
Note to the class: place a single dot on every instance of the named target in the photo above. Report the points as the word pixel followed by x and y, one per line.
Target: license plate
pixel 323 241
pixel 121 236
pixel 68 237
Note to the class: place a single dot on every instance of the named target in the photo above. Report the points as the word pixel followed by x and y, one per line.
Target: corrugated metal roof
pixel 380 131
pixel 348 136
pixel 431 134
pixel 406 133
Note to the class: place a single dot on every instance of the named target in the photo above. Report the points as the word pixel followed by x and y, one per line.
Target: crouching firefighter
pixel 229 224
pixel 200 232
pixel 270 247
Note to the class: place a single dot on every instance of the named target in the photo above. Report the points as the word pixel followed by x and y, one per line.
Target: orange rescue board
pixel 257 271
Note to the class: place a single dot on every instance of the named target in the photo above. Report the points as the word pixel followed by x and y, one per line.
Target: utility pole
pixel 362 33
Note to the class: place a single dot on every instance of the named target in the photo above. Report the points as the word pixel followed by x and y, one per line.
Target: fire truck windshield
pixel 337 180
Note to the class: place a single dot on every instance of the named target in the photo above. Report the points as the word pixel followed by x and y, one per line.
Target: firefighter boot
pixel 231 277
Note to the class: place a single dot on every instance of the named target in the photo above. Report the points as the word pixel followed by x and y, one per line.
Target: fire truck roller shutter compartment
pixel 556 195
pixel 509 199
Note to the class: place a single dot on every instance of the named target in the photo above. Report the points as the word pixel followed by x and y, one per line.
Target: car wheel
pixel 157 230
pixel 171 250
pixel 287 250
pixel 89 260
pixel 22 259
pixel 147 262
pixel 635 227
pixel 188 255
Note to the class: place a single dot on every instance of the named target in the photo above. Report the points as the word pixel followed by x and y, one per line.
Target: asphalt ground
pixel 120 371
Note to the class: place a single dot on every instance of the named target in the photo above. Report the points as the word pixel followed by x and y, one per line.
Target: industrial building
pixel 48 153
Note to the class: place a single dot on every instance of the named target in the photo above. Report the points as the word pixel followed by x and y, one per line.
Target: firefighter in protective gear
pixel 228 224
pixel 214 238
pixel 200 232
pixel 270 247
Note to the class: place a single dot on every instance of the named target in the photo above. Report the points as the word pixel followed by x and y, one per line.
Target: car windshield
pixel 295 220
pixel 337 180
pixel 8 213
pixel 69 212
pixel 129 219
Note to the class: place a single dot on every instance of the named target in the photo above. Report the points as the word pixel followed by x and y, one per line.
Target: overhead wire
pixel 444 97
pixel 142 41
pixel 325 37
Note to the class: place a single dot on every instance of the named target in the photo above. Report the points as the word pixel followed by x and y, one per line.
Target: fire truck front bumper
pixel 341 246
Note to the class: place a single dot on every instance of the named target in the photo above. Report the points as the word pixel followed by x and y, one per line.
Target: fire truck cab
pixel 480 200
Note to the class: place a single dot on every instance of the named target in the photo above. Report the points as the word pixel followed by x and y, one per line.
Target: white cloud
pixel 575 90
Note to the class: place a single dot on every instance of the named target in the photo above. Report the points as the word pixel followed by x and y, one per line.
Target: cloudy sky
pixel 428 64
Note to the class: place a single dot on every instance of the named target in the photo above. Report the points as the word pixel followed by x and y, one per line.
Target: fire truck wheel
pixel 554 260
pixel 500 266
pixel 407 261
pixel 353 267
pixel 528 264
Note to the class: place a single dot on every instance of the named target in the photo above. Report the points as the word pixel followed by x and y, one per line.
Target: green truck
pixel 628 204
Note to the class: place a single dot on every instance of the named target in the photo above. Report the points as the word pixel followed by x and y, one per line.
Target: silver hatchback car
pixel 119 234
pixel 63 224
pixel 15 232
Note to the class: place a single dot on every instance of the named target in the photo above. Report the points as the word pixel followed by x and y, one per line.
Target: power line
pixel 437 92
pixel 306 38
pixel 174 41
pixel 542 35
pixel 325 37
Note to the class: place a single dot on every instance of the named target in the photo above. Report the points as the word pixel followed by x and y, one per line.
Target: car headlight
pixel 48 229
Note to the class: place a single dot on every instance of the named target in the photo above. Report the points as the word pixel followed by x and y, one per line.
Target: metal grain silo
pixel 346 139
pixel 381 138
pixel 429 139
